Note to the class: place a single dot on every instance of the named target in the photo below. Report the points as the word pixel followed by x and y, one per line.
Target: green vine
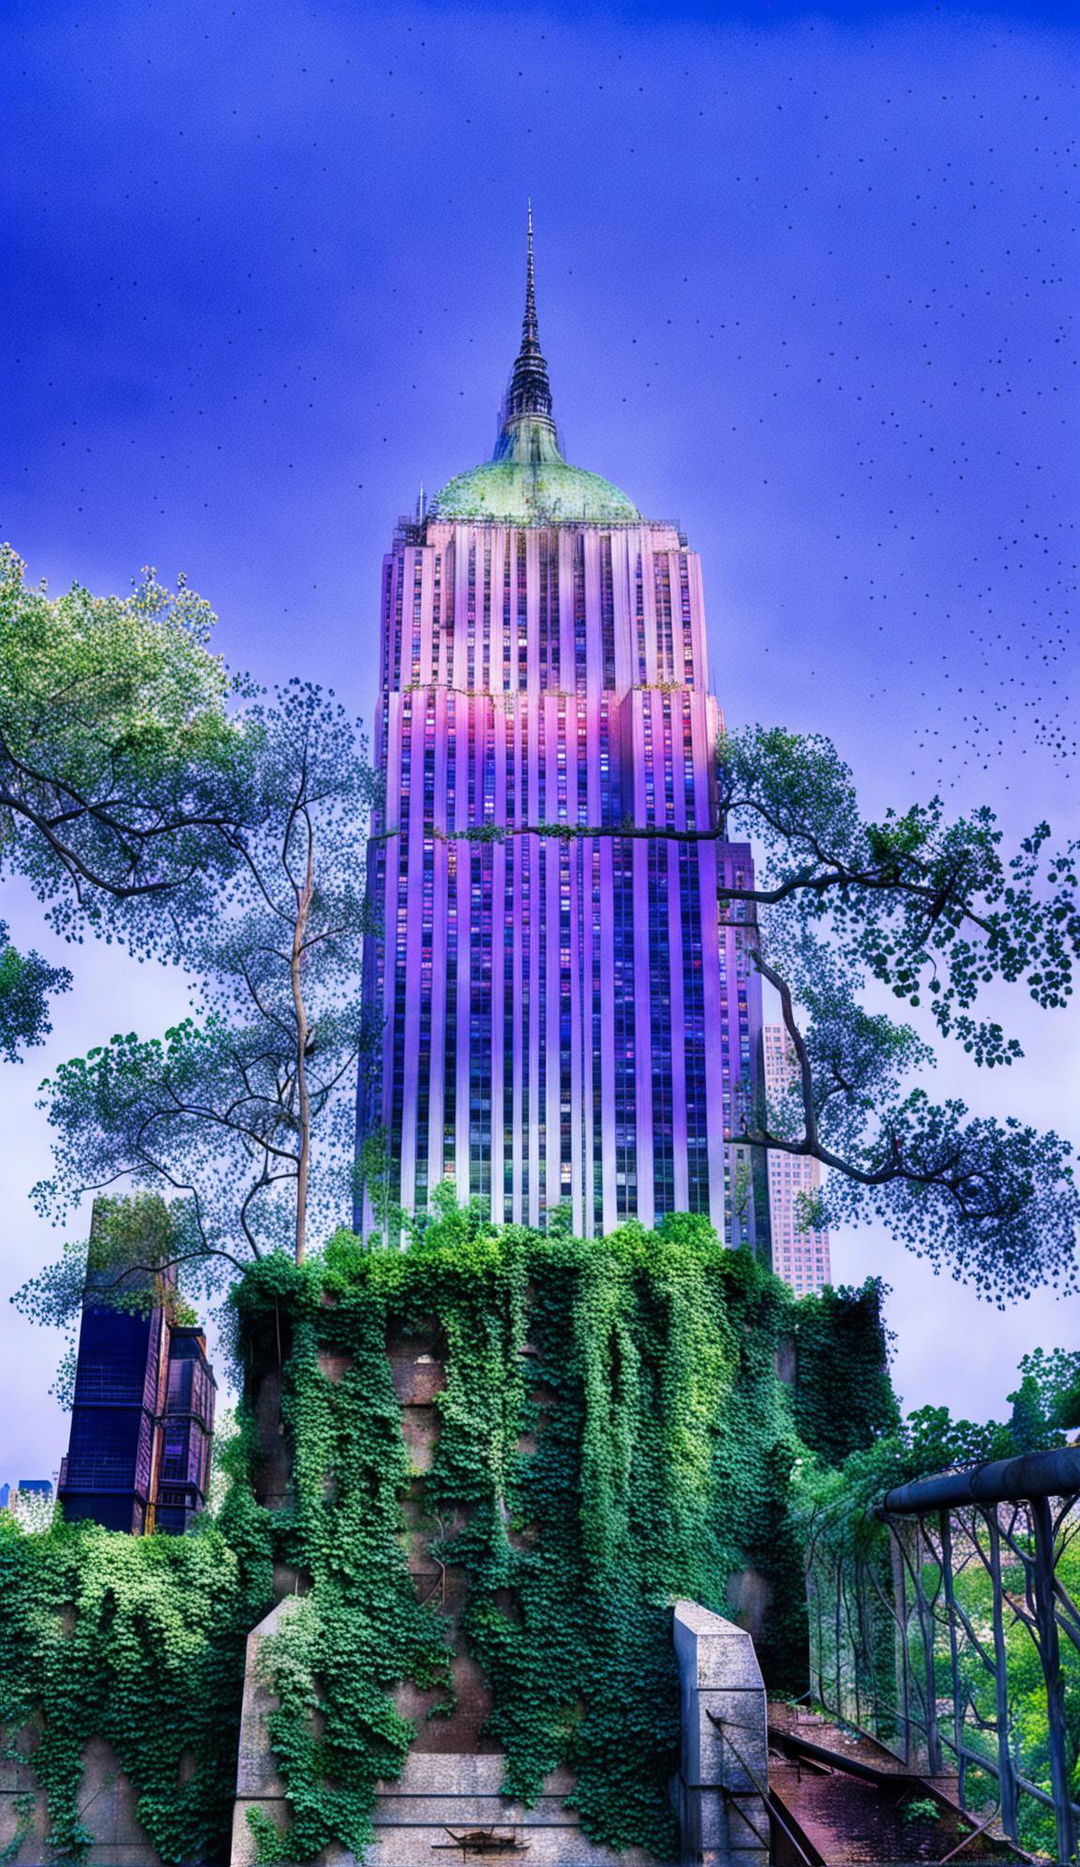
pixel 844 1398
pixel 613 1434
pixel 23 1809
pixel 140 1642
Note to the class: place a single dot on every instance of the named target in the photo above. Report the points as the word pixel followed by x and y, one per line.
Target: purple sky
pixel 807 285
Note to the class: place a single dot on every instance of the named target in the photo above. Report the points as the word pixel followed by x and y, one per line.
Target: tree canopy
pixel 931 911
pixel 26 984
pixel 242 1114
pixel 122 771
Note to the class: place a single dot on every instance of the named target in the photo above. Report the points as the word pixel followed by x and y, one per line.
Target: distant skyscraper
pixel 800 1258
pixel 566 1018
pixel 31 1501
pixel 142 1418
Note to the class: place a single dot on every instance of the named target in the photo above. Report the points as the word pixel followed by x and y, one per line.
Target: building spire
pixel 528 430
pixel 530 330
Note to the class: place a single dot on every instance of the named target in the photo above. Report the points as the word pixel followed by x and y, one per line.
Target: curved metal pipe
pixel 1030 1475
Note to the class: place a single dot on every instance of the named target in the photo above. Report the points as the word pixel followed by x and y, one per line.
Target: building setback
pixel 568 1019
pixel 801 1258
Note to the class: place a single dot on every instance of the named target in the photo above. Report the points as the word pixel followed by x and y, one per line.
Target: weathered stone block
pixel 417 1379
pixel 334 1366
pixel 712 1651
pixel 725 1738
pixel 420 1430
pixel 256 1772
pixel 722 1816
pixel 749 1600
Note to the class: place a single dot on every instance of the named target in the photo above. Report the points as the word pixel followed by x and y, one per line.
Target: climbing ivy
pixel 844 1398
pixel 140 1642
pixel 346 1643
pixel 613 1434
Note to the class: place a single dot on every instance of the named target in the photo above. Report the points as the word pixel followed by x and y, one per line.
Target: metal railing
pixel 943 1625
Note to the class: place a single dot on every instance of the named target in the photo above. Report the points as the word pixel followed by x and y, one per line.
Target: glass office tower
pixel 142 1416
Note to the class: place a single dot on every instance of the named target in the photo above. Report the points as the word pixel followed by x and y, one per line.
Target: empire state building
pixel 569 1013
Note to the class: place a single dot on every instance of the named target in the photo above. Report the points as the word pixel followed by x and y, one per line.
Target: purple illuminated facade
pixel 566 1019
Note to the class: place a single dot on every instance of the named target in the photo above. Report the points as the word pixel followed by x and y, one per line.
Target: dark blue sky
pixel 807 284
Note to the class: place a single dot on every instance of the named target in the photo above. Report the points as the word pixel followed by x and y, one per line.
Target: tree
pixel 121 770
pixel 242 1113
pixel 1054 1373
pixel 931 911
pixel 1028 1422
pixel 26 982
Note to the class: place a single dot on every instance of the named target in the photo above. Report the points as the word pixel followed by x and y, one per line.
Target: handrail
pixel 1031 1475
pixel 868 1624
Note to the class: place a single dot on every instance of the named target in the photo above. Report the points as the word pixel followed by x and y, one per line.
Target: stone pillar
pixel 258 1785
pixel 724 1764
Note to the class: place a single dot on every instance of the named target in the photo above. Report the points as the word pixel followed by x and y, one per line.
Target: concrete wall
pixel 453 1774
pixel 724 1761
pixel 106 1807
pixel 437 1790
pixel 723 1765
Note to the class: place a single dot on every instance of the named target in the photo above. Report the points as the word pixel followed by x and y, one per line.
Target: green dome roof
pixel 519 492
pixel 528 482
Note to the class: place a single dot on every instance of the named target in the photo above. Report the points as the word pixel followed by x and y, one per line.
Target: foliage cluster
pixel 26 982
pixel 843 1396
pixel 120 769
pixel 241 1117
pixel 850 1479
pixel 138 1642
pixel 933 911
pixel 143 804
pixel 613 1435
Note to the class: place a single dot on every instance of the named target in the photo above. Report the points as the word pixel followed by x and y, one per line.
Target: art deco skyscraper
pixel 567 1018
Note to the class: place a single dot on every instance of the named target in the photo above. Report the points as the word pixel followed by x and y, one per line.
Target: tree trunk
pixel 303 1163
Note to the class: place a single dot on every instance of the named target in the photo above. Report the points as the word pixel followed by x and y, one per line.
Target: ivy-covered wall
pixel 137 1642
pixel 611 1432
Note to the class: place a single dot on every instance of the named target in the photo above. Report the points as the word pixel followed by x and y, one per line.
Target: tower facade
pixel 570 1016
pixel 142 1416
pixel 800 1257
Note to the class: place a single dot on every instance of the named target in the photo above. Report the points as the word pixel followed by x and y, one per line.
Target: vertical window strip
pixel 661 1034
pixel 697 1137
pixel 607 611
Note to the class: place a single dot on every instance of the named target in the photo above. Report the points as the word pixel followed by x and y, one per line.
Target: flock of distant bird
pixel 937 379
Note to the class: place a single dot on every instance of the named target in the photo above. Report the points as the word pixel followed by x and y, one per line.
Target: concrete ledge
pixel 723 1816
pixel 724 1760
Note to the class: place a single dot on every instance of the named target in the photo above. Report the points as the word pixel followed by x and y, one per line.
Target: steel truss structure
pixel 941 1625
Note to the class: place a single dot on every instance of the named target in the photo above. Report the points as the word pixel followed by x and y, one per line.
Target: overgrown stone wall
pixel 483 1468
